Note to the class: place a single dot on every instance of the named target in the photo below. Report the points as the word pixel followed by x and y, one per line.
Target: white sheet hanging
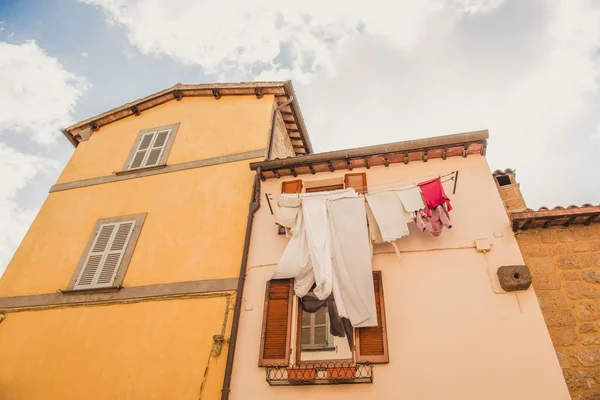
pixel 352 271
pixel 330 247
pixel 287 210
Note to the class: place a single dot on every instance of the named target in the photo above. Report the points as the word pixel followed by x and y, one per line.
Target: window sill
pixel 94 290
pixel 144 169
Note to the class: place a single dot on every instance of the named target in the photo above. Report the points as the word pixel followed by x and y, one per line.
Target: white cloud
pixel 37 97
pixel 17 170
pixel 84 54
pixel 373 72
pixel 37 94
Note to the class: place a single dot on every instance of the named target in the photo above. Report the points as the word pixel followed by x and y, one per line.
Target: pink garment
pixel 435 223
pixel 434 195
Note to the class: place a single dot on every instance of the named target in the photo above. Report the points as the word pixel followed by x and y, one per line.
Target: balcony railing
pixel 319 373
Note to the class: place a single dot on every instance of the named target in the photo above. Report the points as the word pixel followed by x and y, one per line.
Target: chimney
pixel 509 190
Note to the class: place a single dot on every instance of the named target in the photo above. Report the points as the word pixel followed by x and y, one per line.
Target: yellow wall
pixel 194 230
pixel 209 128
pixel 149 350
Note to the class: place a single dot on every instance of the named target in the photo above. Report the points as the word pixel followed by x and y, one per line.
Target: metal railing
pixel 319 373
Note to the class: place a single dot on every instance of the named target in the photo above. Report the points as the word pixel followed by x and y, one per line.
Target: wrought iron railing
pixel 319 373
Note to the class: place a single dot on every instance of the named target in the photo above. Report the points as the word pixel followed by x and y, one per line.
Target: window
pixel 151 147
pixel 315 331
pixel 358 181
pixel 107 254
pixel 503 180
pixel 277 336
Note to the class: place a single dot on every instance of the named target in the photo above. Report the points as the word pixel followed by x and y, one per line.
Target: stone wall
pixel 565 266
pixel 282 144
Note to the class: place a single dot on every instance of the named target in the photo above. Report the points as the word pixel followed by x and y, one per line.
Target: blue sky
pixel 365 73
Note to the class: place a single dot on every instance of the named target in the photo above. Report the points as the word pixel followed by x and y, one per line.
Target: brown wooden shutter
pixel 291 186
pixel 275 341
pixel 371 343
pixel 357 181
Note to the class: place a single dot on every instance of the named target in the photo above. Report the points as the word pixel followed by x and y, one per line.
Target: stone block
pixel 587 327
pixel 570 262
pixel 514 277
pixel 570 276
pixel 534 251
pixel 559 317
pixel 588 357
pixel 578 290
pixel 592 276
pixel 591 396
pixel 563 336
pixel 545 299
pixel 566 237
pixel 549 239
pixel 595 246
pixel 580 247
pixel 578 379
pixel 593 340
pixel 528 239
pixel 595 260
pixel 586 311
pixel 562 248
pixel 546 282
pixel 543 265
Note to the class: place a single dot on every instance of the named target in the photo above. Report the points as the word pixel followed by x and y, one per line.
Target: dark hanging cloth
pixel 338 326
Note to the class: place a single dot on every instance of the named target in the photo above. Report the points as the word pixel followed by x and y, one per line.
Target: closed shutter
pixel 357 181
pixel 291 186
pixel 371 343
pixel 150 150
pixel 105 256
pixel 277 323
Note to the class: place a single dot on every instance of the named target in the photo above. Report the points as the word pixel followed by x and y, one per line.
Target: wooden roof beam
pixel 590 219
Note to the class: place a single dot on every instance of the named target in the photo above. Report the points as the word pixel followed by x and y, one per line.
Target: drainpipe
pixel 253 207
pixel 279 107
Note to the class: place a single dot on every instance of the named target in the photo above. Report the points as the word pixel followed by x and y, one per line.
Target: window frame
pixel 164 154
pixel 328 346
pixel 125 258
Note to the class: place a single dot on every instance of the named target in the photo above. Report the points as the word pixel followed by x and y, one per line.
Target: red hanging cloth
pixel 434 195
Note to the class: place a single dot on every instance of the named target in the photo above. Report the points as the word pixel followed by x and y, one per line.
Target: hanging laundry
pixel 434 195
pixel 389 214
pixel 435 223
pixel 287 210
pixel 374 231
pixel 330 249
pixel 411 198
pixel 352 272
pixel 338 326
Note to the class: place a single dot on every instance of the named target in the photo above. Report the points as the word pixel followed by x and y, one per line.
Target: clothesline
pixel 402 183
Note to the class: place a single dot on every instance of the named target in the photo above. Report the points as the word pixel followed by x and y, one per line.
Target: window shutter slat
pixel 105 257
pixel 371 343
pixel 357 181
pixel 277 321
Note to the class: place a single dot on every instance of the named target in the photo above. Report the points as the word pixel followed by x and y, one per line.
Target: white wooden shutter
pixel 150 150
pixel 103 261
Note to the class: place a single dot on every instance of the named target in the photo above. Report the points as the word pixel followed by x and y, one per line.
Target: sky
pixel 365 73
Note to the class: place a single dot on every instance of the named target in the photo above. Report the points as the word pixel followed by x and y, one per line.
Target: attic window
pixel 503 180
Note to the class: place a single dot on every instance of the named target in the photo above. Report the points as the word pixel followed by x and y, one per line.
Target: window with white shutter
pixel 151 147
pixel 108 253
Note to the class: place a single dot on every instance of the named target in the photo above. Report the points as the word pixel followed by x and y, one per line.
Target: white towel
pixel 411 198
pixel 287 210
pixel 389 214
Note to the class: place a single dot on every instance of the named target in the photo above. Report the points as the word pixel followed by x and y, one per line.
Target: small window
pixel 107 253
pixel 151 147
pixel 503 180
pixel 315 330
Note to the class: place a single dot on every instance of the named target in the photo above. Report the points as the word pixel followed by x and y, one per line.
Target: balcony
pixel 319 373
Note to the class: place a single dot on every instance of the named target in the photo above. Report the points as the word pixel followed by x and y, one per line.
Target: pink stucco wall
pixel 452 332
